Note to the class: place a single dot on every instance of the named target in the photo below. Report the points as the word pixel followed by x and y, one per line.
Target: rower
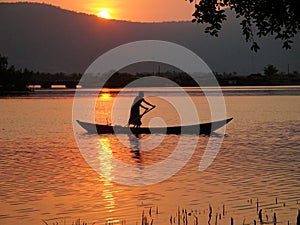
pixel 135 116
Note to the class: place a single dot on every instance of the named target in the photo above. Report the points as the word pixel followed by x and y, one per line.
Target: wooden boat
pixel 204 128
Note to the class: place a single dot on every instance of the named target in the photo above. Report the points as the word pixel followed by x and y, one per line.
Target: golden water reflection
pixel 105 96
pixel 105 158
pixel 103 107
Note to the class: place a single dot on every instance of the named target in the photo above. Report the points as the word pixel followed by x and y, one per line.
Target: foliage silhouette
pixel 270 70
pixel 277 17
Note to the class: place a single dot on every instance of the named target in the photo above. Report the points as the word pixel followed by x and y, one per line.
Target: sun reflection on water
pixel 105 94
pixel 105 158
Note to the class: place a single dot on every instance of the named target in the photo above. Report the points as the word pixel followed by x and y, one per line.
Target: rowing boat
pixel 204 128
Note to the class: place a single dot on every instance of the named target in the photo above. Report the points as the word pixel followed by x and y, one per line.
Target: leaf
pixel 254 47
pixel 286 45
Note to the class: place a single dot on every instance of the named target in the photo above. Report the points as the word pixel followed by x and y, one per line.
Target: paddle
pixel 146 111
pixel 140 117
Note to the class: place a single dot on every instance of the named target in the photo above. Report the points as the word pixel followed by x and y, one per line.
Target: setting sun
pixel 104 14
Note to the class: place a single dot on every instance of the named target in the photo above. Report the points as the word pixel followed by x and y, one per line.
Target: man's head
pixel 141 94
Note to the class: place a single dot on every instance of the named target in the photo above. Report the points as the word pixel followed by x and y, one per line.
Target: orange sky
pixel 133 10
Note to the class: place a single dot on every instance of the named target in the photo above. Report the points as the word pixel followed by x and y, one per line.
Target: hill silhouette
pixel 46 38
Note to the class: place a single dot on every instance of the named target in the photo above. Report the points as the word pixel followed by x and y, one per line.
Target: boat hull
pixel 204 128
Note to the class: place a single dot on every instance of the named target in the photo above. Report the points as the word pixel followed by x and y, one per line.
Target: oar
pixel 146 111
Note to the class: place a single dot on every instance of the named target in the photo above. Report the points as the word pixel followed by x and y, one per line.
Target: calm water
pixel 44 175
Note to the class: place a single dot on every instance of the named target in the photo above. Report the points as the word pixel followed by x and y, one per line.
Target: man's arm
pixel 148 103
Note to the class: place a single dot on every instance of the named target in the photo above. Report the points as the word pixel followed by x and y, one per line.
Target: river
pixel 46 179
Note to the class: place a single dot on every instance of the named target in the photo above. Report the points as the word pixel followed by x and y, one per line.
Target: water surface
pixel 44 176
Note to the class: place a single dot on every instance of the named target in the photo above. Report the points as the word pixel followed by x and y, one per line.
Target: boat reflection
pixel 105 158
pixel 135 147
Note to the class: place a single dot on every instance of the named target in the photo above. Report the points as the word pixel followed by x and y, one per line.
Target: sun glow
pixel 104 13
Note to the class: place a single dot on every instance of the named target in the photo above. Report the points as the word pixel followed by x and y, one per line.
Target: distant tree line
pixel 18 80
pixel 10 78
pixel 270 76
pixel 13 80
pixel 123 79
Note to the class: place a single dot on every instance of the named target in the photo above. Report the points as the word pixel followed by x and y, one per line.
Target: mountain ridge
pixel 43 37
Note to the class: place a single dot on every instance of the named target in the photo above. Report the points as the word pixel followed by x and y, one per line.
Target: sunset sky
pixel 132 10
